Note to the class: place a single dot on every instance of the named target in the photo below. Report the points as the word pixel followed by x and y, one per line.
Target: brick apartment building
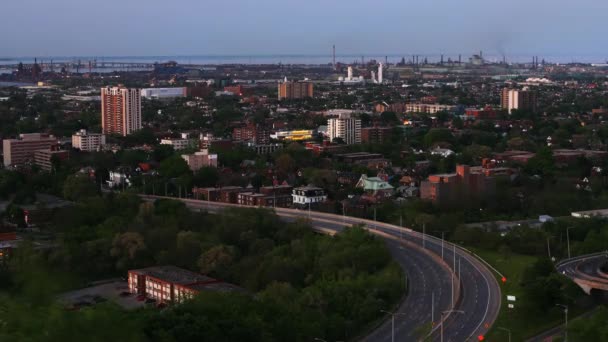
pixel 376 135
pixel 486 113
pixel 295 90
pixel 256 134
pixel 463 186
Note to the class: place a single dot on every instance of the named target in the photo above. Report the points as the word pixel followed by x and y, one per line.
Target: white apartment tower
pixel 85 141
pixel 120 110
pixel 380 73
pixel 348 129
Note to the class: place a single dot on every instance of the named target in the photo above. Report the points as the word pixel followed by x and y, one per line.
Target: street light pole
pixel 393 314
pixel 568 240
pixel 424 235
pixel 507 330
pixel 442 314
pixel 566 325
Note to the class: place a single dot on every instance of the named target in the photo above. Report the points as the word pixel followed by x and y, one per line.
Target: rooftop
pixel 174 275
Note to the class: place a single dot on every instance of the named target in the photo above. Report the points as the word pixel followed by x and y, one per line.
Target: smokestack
pixel 380 73
pixel 334 56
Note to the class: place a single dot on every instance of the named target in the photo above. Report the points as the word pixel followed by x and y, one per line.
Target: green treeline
pixel 300 285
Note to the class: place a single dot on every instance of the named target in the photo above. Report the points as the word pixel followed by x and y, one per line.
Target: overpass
pixel 586 271
pixel 441 275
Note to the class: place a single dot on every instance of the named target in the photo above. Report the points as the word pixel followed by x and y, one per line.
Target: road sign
pixel 511 298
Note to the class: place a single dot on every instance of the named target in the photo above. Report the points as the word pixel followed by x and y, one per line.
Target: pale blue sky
pixel 263 27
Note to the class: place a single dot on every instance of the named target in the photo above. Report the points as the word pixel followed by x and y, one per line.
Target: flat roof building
pixel 347 129
pixel 295 90
pixel 21 150
pixel 200 159
pixel 89 142
pixel 120 110
pixel 170 284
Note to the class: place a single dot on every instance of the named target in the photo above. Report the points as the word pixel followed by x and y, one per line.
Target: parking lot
pixel 114 291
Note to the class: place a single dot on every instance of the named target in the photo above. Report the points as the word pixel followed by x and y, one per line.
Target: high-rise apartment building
pixel 347 129
pixel 120 110
pixel 295 90
pixel 256 134
pixel 511 99
pixel 19 151
pixel 86 141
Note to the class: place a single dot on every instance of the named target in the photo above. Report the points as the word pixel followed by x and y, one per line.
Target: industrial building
pixel 163 93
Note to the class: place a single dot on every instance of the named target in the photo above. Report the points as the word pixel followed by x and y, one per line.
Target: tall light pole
pixel 393 314
pixel 442 239
pixel 565 307
pixel 568 240
pixel 424 235
pixel 445 312
pixel 507 330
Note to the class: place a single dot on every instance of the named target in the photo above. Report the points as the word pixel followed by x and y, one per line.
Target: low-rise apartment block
pixel 88 142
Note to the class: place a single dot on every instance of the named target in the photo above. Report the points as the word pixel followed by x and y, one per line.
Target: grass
pixel 522 325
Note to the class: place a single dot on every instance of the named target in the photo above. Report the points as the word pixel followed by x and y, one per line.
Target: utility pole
pixel 566 316
pixel 424 235
pixel 568 239
pixel 453 271
pixel 432 307
pixel 442 314
pixel 393 314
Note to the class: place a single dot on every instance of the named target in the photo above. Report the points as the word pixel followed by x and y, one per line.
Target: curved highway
pixel 459 281
pixel 586 271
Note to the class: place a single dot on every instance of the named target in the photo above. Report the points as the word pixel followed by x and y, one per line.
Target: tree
pixel 77 187
pixel 126 248
pixel 436 135
pixel 217 258
pixel 542 163
pixel 206 177
pixel 285 163
pixel 174 167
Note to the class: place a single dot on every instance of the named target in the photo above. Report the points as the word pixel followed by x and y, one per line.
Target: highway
pixel 459 281
pixel 586 271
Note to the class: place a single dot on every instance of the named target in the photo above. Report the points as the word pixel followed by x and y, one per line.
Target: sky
pixel 308 27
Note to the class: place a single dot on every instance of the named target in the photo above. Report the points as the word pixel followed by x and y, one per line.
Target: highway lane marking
pixel 375 226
